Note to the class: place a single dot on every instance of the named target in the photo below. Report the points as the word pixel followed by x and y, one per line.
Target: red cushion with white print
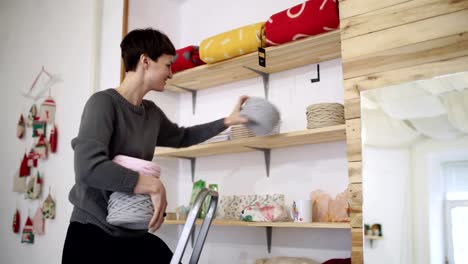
pixel 186 58
pixel 307 19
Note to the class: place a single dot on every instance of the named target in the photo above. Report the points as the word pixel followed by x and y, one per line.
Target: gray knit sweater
pixel 110 126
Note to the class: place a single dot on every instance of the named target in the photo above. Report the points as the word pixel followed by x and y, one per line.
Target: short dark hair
pixel 147 41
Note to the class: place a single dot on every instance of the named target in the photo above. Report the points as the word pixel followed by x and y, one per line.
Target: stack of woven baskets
pixel 325 114
pixel 241 131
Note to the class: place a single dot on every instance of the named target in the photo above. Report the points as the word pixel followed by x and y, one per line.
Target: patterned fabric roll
pixel 186 58
pixel 232 44
pixel 307 19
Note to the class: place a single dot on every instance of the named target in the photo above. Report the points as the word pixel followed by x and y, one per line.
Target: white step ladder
pixel 190 224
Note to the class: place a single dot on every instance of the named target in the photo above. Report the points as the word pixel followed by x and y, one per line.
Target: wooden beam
pixel 396 15
pixel 349 8
pixel 355 171
pixel 427 29
pixel 419 72
pixel 415 54
pixel 124 32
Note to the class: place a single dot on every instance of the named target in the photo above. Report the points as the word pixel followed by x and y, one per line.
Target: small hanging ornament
pixel 53 139
pixel 34 187
pixel 48 207
pixel 39 128
pixel 41 147
pixel 28 232
pixel 38 222
pixel 19 183
pixel 32 115
pixel 21 127
pixel 24 168
pixel 47 111
pixel 16 222
pixel 32 158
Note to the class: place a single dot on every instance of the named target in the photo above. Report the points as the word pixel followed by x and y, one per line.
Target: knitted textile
pixel 263 116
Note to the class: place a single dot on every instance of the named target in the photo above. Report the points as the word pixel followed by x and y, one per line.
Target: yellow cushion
pixel 231 44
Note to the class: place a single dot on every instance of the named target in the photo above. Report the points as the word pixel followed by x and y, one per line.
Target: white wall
pixel 58 35
pixel 386 175
pixel 404 191
pixel 428 221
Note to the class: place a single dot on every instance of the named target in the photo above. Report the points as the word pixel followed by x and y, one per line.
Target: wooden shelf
pixel 298 53
pixel 374 237
pixel 309 136
pixel 345 225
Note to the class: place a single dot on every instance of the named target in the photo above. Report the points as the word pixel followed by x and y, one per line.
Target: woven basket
pixel 324 114
pixel 241 131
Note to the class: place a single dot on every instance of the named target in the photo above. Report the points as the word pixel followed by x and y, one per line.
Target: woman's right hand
pixel 155 188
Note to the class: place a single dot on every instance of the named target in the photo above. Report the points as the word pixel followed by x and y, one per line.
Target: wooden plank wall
pixel 390 42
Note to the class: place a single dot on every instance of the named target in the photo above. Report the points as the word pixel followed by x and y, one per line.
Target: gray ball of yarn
pixel 263 115
pixel 132 211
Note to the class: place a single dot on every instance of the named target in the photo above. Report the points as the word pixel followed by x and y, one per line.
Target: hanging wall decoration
pixel 34 187
pixel 24 167
pixel 21 127
pixel 53 139
pixel 41 140
pixel 41 147
pixel 16 222
pixel 39 128
pixel 48 207
pixel 33 156
pixel 32 116
pixel 28 232
pixel 19 183
pixel 47 111
pixel 38 222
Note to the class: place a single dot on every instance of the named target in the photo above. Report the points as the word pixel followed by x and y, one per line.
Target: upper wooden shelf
pixel 309 136
pixel 215 222
pixel 294 54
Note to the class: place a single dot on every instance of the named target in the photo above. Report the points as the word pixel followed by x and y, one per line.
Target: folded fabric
pixel 271 212
pixel 231 206
pixel 285 260
pixel 303 20
pixel 186 58
pixel 231 44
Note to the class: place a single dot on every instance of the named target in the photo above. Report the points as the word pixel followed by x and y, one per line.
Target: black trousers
pixel 87 243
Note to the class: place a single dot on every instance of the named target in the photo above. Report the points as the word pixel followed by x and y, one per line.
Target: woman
pixel 119 122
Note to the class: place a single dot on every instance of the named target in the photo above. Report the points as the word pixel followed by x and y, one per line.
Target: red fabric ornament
pixel 32 158
pixel 28 233
pixel 47 110
pixel 16 222
pixel 53 139
pixel 21 127
pixel 186 58
pixel 24 168
pixel 41 147
pixel 303 20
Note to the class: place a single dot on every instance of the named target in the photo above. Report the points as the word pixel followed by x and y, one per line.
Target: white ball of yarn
pixel 132 211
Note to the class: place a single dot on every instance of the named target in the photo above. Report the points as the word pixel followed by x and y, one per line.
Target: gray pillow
pixel 263 115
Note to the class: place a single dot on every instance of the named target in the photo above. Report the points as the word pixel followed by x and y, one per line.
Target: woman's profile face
pixel 158 72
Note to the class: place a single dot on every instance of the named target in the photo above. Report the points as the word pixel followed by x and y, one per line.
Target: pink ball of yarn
pixel 142 166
